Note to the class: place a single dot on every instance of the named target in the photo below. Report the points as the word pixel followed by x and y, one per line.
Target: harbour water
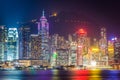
pixel 60 75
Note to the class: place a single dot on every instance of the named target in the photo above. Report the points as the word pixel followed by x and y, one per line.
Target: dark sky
pixel 103 13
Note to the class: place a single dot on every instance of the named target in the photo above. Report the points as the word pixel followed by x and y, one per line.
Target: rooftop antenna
pixel 43 13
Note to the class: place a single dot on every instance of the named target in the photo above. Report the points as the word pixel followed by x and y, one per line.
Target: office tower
pixel 12 44
pixel 43 31
pixel 24 42
pixel 3 39
pixel 35 46
pixel 103 44
pixel 117 51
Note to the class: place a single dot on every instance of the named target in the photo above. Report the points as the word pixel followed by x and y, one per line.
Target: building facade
pixel 3 46
pixel 103 45
pixel 35 47
pixel 12 44
pixel 24 42
pixel 117 51
pixel 43 33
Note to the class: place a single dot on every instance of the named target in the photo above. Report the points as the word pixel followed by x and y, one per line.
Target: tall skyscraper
pixel 3 39
pixel 43 31
pixel 24 42
pixel 103 41
pixel 12 44
pixel 36 47
pixel 103 44
pixel 82 46
pixel 117 51
pixel 73 52
pixel 59 50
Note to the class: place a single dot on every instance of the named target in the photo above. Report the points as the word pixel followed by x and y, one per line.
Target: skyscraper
pixel 35 47
pixel 24 42
pixel 12 44
pixel 117 51
pixel 103 44
pixel 82 46
pixel 43 31
pixel 3 38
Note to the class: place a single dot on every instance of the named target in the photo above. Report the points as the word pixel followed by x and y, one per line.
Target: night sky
pixel 98 13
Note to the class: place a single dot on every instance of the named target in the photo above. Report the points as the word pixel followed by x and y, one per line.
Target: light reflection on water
pixel 61 75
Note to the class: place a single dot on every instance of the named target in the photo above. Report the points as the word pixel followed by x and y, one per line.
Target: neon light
pixel 82 31
pixel 55 14
pixel 54 55
pixel 80 46
pixel 95 49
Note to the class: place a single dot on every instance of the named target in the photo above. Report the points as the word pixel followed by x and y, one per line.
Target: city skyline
pixel 59 39
pixel 98 13
pixel 26 48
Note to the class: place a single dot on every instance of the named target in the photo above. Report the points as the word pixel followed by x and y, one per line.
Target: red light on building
pixel 81 31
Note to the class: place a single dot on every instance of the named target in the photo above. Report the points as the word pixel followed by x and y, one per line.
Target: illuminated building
pixel 117 51
pixel 111 51
pixel 103 47
pixel 62 57
pixel 12 44
pixel 62 51
pixel 3 38
pixel 72 50
pixel 103 41
pixel 59 50
pixel 36 56
pixel 95 51
pixel 35 46
pixel 43 31
pixel 53 46
pixel 24 42
pixel 73 53
pixel 82 47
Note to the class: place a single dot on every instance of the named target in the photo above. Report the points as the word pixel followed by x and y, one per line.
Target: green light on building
pixel 55 55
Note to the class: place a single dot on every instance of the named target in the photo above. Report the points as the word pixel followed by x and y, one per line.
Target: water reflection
pixel 110 74
pixel 61 75
pixel 80 75
pixel 11 75
pixel 95 75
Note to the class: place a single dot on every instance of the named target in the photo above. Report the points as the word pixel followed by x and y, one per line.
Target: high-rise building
pixel 12 44
pixel 43 31
pixel 103 44
pixel 36 56
pixel 3 39
pixel 111 51
pixel 36 47
pixel 62 57
pixel 95 52
pixel 82 46
pixel 53 46
pixel 59 50
pixel 103 41
pixel 117 51
pixel 73 53
pixel 24 42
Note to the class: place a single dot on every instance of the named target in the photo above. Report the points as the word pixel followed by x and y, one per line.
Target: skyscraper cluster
pixel 19 44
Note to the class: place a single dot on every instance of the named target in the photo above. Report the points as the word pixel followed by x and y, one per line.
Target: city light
pixel 54 55
pixel 80 46
pixel 93 63
pixel 81 31
pixel 95 49
pixel 54 14
pixel 115 38
pixel 110 49
pixel 55 50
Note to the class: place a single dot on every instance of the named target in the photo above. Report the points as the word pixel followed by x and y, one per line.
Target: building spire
pixel 43 13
